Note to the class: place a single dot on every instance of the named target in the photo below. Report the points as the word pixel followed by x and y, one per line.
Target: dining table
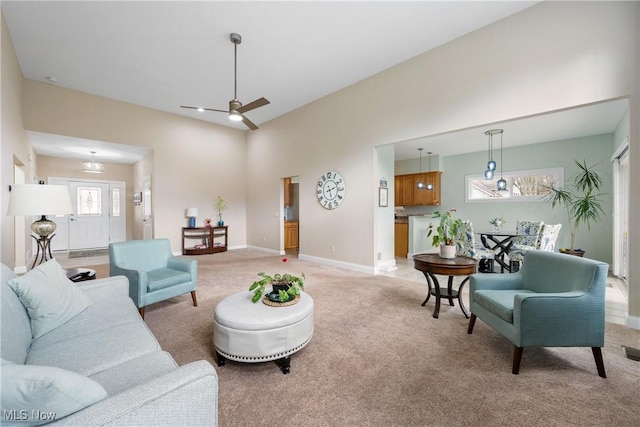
pixel 499 241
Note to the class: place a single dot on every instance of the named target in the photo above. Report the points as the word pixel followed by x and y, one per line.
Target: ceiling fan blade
pixel 252 105
pixel 249 123
pixel 206 109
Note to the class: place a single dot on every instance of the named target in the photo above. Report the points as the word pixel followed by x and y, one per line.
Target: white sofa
pixel 108 354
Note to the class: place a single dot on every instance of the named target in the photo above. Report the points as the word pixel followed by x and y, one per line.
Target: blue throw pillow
pixel 34 395
pixel 51 299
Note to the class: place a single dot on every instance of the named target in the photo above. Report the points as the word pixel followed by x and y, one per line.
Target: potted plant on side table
pixel 444 235
pixel 582 200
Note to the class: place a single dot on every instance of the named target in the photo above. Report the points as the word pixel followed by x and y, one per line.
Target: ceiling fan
pixel 236 109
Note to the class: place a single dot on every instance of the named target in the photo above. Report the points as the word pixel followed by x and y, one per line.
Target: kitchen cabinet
pixel 408 194
pixel 291 234
pixel 401 239
pixel 287 192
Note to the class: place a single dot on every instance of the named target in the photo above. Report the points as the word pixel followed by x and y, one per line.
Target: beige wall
pixel 552 56
pixel 15 147
pixel 193 161
pixel 56 167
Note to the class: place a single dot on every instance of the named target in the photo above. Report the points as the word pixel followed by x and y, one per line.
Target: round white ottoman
pixel 251 333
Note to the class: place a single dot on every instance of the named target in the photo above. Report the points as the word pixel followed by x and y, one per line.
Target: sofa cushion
pixel 53 393
pixel 161 278
pixel 51 299
pixel 15 327
pixel 499 302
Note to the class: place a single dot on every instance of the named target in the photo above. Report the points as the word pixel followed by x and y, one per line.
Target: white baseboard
pixel 266 250
pixel 633 322
pixel 334 263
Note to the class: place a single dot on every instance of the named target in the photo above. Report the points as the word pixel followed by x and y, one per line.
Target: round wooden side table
pixel 432 264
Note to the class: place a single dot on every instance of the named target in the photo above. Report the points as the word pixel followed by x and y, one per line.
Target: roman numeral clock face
pixel 331 190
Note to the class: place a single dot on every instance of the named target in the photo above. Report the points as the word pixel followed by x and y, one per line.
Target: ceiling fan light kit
pixel 236 109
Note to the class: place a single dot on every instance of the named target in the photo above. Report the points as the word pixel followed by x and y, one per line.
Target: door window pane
pixel 115 202
pixel 89 201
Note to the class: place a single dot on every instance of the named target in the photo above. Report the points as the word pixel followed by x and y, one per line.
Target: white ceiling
pixel 162 54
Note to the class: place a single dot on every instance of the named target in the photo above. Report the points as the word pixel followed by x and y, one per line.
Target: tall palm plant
pixel 582 200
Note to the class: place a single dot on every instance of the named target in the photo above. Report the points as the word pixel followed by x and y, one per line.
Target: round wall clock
pixel 330 190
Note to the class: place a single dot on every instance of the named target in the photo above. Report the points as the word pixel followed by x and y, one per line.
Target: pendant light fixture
pixel 502 184
pixel 420 184
pixel 91 166
pixel 491 164
pixel 429 184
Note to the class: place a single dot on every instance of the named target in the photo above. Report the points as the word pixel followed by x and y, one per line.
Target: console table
pixel 204 240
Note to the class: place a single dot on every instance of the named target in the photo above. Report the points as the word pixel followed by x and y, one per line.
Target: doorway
pixel 621 212
pixel 291 204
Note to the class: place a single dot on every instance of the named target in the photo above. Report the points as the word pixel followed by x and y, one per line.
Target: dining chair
pixel 546 242
pixel 466 246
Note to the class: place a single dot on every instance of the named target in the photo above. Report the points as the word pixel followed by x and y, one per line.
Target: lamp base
pixel 192 222
pixel 43 226
pixel 43 253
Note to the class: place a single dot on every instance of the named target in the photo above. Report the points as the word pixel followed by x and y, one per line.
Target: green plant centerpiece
pixel 446 232
pixel 285 287
pixel 220 206
pixel 581 199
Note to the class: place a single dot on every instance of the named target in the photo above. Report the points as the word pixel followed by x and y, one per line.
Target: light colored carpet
pixel 378 358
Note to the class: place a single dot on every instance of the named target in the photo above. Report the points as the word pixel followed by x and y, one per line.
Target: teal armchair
pixel 555 300
pixel 154 273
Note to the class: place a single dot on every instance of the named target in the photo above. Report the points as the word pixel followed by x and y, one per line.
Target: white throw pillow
pixel 51 299
pixel 34 395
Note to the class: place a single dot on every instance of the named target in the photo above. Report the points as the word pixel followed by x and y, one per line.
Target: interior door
pixel 89 222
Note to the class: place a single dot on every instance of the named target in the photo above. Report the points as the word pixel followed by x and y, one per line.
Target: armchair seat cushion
pixel 499 302
pixel 162 278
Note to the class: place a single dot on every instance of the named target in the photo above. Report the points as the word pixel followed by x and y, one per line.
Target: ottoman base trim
pixel 257 359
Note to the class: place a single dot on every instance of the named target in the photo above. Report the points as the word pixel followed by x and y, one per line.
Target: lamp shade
pixel 192 212
pixel 35 199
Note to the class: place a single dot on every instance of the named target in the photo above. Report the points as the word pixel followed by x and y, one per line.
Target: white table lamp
pixel 192 213
pixel 33 200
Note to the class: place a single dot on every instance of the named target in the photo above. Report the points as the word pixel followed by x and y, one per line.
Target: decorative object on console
pixel 207 222
pixel 285 287
pixel 192 213
pixel 582 201
pixel 33 200
pixel 221 206
pixel 91 166
pixel 445 233
pixel 498 222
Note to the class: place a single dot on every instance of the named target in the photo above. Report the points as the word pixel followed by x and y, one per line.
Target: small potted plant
pixel 444 235
pixel 285 287
pixel 498 222
pixel 582 200
pixel 221 206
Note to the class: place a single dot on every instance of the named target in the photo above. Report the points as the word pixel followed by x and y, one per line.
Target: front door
pixel 89 222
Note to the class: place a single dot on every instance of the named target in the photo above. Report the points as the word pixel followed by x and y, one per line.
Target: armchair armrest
pixel 137 282
pixel 563 319
pixel 495 281
pixel 185 264
pixel 186 396
pixel 182 264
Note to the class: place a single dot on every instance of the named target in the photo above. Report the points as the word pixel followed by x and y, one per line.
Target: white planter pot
pixel 447 251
